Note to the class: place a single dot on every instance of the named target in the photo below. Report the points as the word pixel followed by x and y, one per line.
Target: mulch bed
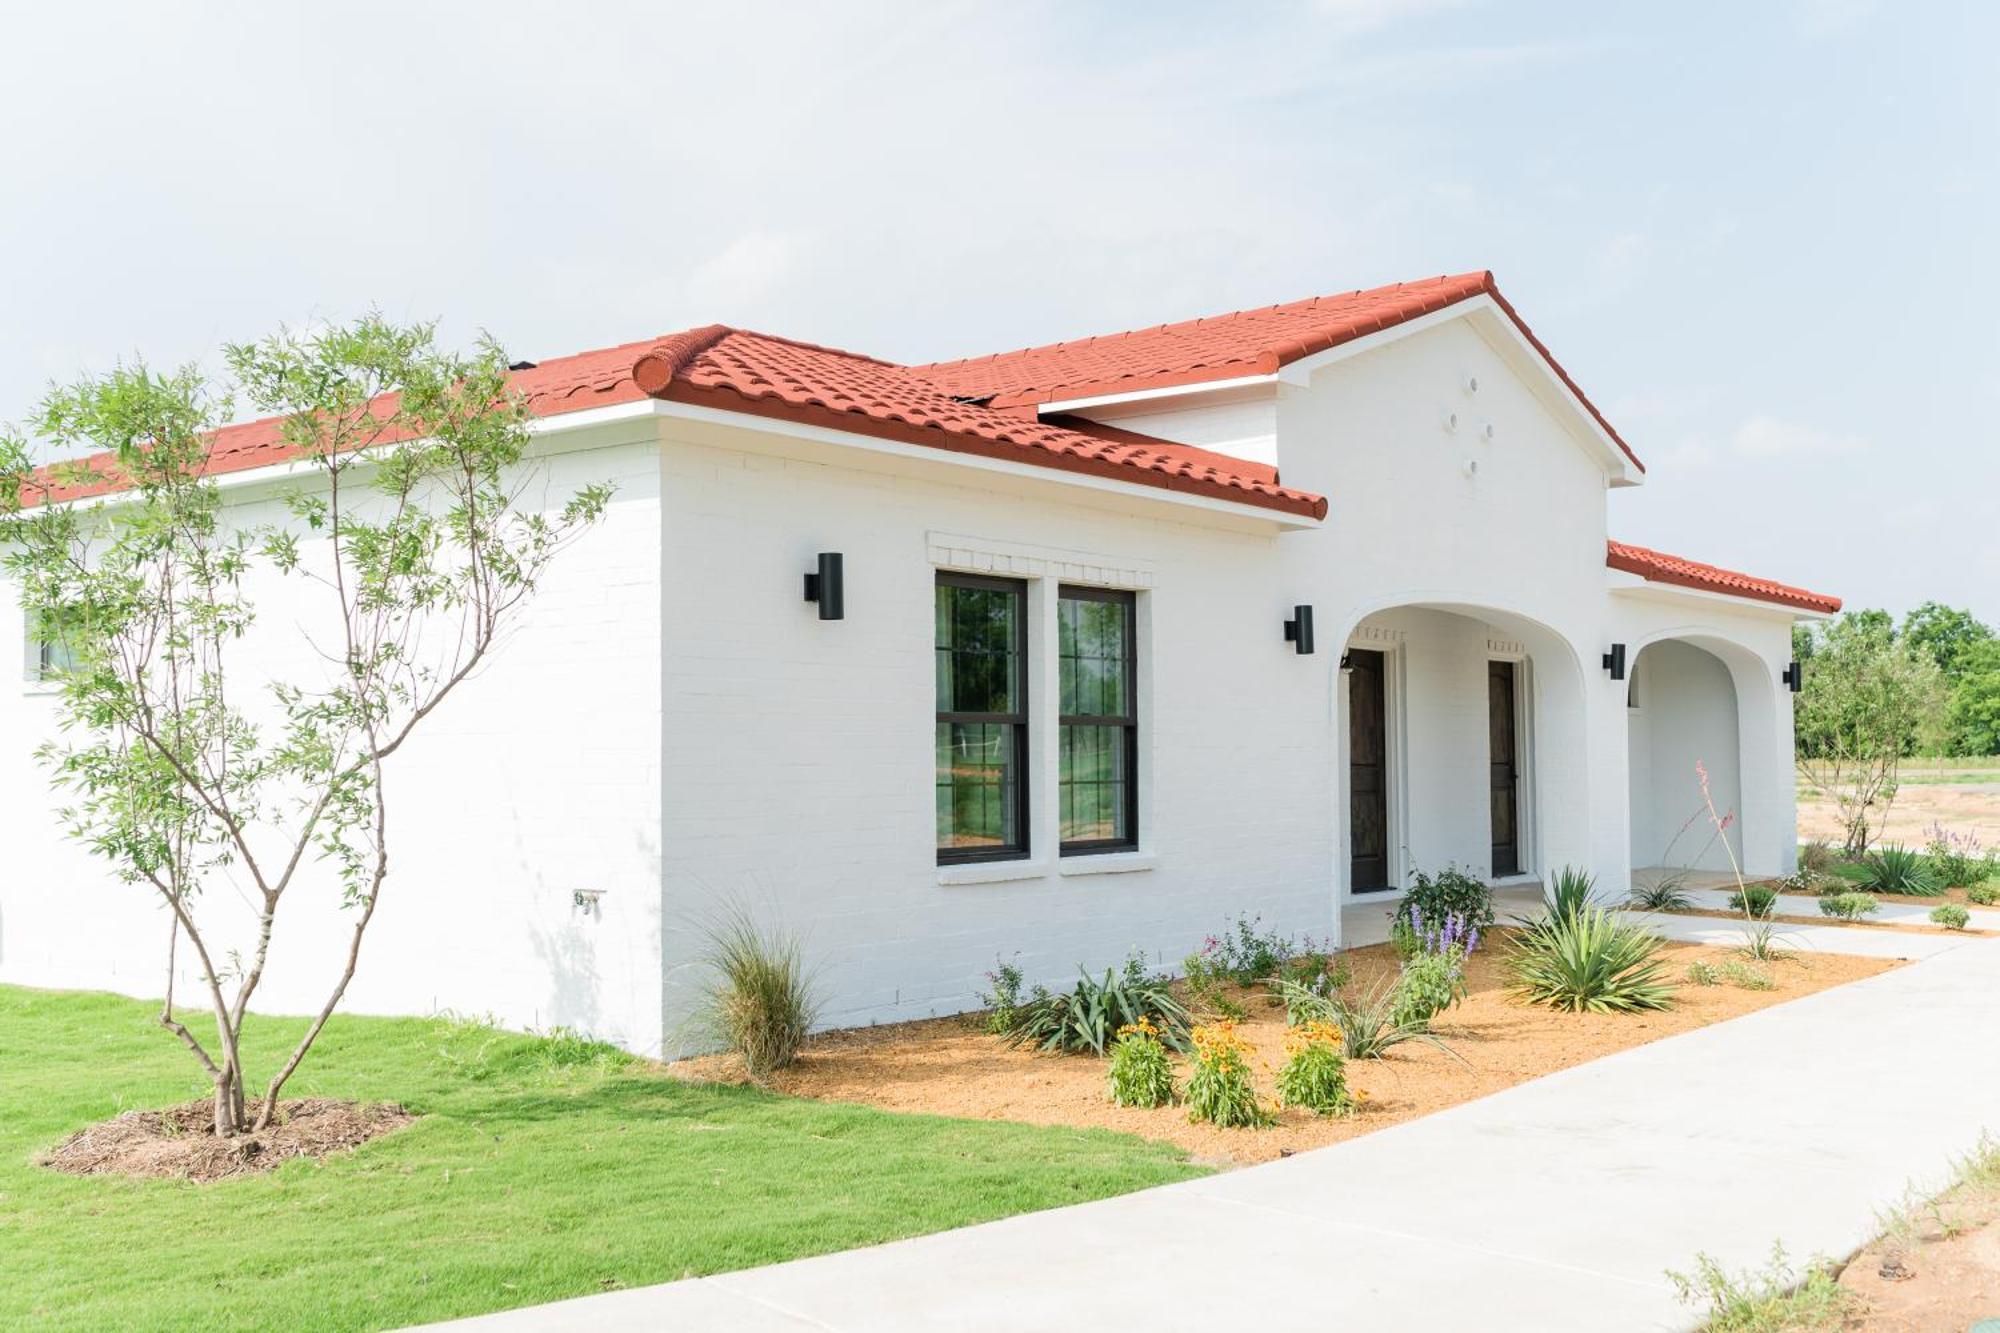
pixel 178 1143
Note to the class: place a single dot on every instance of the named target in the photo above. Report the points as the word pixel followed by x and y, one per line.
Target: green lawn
pixel 541 1169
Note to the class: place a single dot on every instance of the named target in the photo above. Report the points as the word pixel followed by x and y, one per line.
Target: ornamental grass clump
pixel 1219 1091
pixel 1368 1023
pixel 1314 1075
pixel 1142 1074
pixel 1590 961
pixel 761 1005
pixel 1848 906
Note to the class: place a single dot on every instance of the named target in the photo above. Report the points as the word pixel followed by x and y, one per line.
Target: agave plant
pixel 1667 894
pixel 1088 1017
pixel 1590 960
pixel 1569 891
pixel 1897 869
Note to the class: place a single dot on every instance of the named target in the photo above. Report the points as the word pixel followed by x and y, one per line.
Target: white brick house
pixel 1065 711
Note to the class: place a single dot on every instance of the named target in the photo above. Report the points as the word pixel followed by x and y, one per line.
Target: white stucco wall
pixel 1685 714
pixel 540 776
pixel 674 726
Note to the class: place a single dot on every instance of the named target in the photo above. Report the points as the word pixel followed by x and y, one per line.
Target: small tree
pixel 1868 698
pixel 202 745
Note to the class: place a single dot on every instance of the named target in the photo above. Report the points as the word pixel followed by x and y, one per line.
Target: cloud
pixel 1767 437
pixel 746 271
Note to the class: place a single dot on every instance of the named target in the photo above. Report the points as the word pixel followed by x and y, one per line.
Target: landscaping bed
pixel 951 1066
pixel 1788 919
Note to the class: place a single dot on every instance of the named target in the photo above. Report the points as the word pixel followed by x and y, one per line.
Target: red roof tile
pixel 740 371
pixel 1659 567
pixel 1219 347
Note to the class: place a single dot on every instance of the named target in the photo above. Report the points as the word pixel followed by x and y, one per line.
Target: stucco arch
pixel 1555 781
pixel 1760 795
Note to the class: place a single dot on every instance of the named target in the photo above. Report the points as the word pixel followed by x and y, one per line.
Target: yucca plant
pixel 1668 895
pixel 1896 869
pixel 1569 891
pixel 1088 1017
pixel 1590 960
pixel 762 1004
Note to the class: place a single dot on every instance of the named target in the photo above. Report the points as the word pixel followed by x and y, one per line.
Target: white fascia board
pixel 1148 395
pixel 1625 584
pixel 1005 467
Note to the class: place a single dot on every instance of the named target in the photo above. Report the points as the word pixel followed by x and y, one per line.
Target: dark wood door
pixel 1502 770
pixel 1367 771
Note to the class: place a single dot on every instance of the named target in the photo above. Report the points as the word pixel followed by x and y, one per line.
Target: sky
pixel 1758 234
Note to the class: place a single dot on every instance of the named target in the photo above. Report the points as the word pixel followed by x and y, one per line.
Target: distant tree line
pixel 1876 693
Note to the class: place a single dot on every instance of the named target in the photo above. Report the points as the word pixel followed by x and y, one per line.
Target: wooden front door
pixel 1502 770
pixel 1368 771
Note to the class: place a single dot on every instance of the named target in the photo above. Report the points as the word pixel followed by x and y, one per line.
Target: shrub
pixel 1702 974
pixel 1757 900
pixel 1746 977
pixel 1451 892
pixel 1801 880
pixel 1141 1073
pixel 1314 1074
pixel 1816 856
pixel 1003 1003
pixel 1956 859
pixel 1430 983
pixel 1847 906
pixel 1896 869
pixel 1088 1017
pixel 1313 973
pixel 1591 960
pixel 1206 979
pixel 1569 891
pixel 1367 1022
pixel 1951 916
pixel 1219 1090
pixel 762 1003
pixel 1983 895
pixel 1248 955
pixel 1669 895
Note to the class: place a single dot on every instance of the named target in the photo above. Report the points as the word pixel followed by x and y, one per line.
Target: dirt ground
pixel 1945 1276
pixel 177 1142
pixel 1972 807
pixel 949 1066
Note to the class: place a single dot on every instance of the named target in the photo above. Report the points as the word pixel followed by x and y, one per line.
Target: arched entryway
pixel 1462 742
pixel 1698 703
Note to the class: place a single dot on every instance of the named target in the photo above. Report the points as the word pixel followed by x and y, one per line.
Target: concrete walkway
pixel 1886 911
pixel 1555 1205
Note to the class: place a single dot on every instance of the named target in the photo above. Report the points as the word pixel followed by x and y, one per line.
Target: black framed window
pixel 982 718
pixel 1099 733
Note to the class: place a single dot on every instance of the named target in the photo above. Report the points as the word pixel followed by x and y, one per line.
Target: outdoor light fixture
pixel 828 587
pixel 1347 661
pixel 1614 661
pixel 1299 630
pixel 1794 676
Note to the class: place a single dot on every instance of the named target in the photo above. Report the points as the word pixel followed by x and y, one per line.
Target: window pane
pixel 1095 674
pixel 1094 784
pixel 978 649
pixel 976 786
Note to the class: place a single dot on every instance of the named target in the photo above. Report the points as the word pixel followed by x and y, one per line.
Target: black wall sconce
pixel 1347 661
pixel 828 587
pixel 1793 676
pixel 1614 661
pixel 1299 630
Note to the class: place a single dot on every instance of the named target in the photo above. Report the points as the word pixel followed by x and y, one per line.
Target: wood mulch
pixel 179 1143
pixel 950 1066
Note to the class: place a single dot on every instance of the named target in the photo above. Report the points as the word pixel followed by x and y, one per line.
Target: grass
pixel 1775 1299
pixel 543 1168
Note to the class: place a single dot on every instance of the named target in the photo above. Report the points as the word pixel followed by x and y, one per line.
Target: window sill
pixel 41 687
pixel 991 872
pixel 1109 863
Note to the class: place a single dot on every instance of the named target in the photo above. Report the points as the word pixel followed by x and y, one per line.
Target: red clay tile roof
pixel 1246 342
pixel 754 373
pixel 1659 567
pixel 739 371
